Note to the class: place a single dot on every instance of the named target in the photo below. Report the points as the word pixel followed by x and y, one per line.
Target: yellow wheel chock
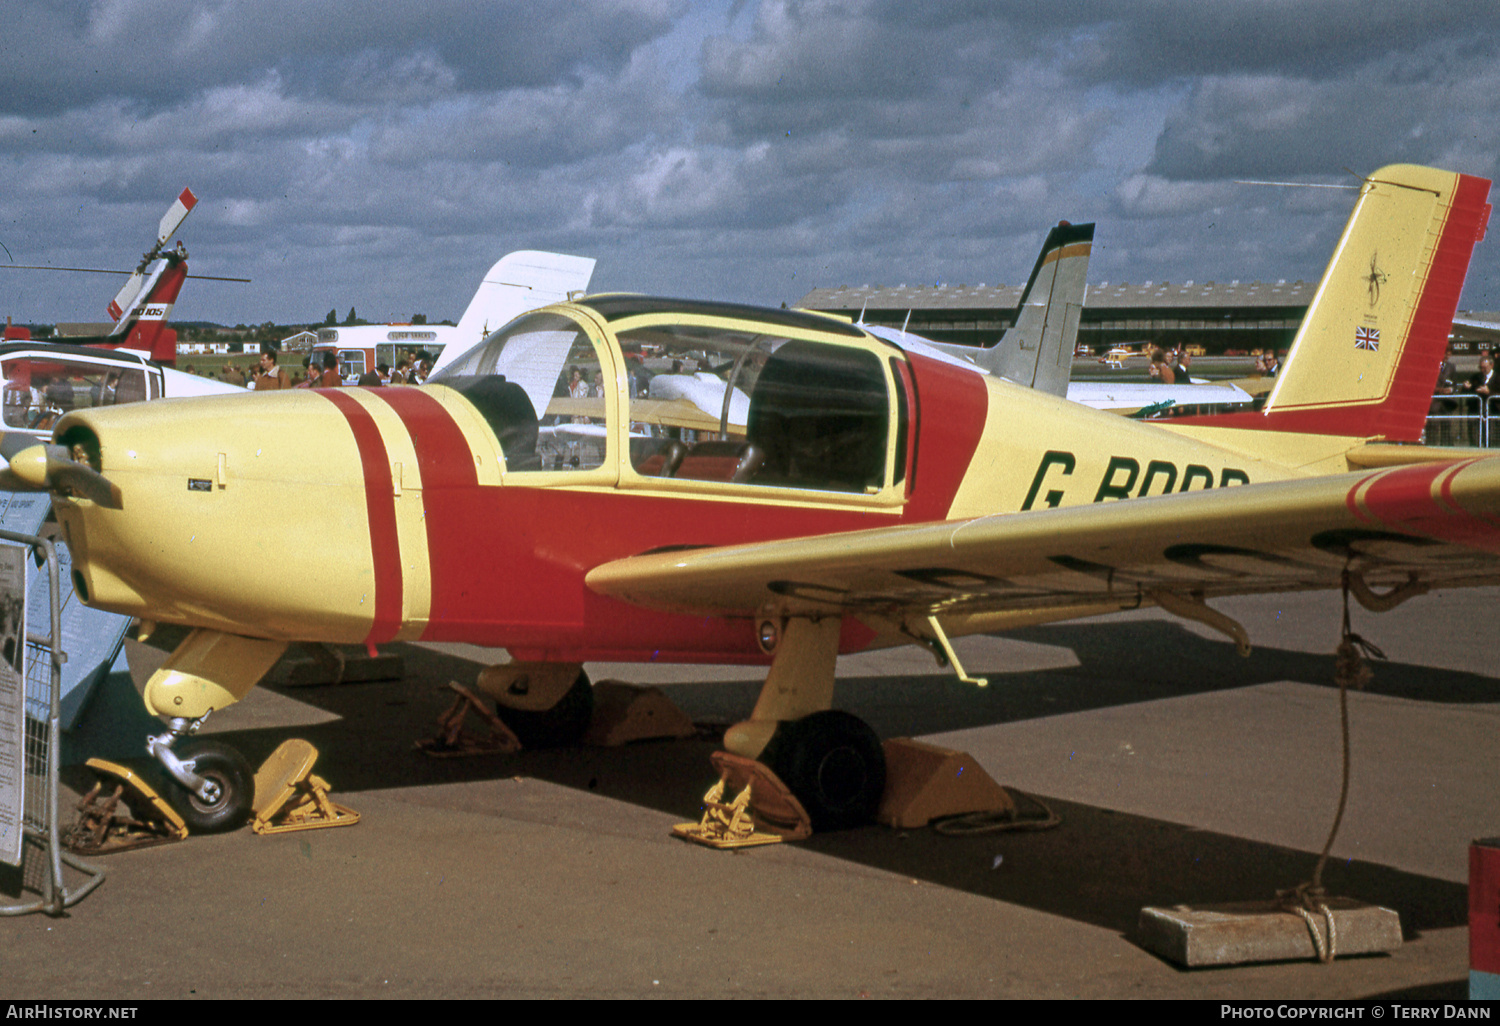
pixel 453 740
pixel 764 811
pixel 289 796
pixel 103 827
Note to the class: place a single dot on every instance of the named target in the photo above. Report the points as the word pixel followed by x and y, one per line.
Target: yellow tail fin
pixel 1366 358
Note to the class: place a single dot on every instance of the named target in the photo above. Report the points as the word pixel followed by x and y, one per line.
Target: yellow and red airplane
pixel 817 491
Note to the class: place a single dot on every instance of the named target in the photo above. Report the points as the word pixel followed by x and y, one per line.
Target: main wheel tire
pixel 563 724
pixel 227 769
pixel 835 765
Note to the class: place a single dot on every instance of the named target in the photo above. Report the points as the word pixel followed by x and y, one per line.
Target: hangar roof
pixel 1101 296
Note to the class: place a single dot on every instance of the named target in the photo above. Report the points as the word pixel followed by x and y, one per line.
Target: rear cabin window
pixel 726 404
pixel 540 384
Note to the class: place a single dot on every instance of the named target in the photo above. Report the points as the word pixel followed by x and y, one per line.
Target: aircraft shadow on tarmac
pixel 1122 664
pixel 1101 867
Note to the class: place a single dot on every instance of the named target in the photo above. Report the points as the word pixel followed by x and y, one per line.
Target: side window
pixel 351 363
pixel 726 404
pixel 541 385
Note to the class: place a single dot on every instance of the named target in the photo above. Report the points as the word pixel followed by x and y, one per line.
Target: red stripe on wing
pixel 1405 498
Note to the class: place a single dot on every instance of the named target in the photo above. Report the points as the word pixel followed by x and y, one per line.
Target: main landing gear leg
pixel 832 761
pixel 208 671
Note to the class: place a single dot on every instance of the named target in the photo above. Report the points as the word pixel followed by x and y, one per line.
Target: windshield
pixel 541 386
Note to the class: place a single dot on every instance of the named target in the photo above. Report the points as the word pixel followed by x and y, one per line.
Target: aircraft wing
pixel 1435 523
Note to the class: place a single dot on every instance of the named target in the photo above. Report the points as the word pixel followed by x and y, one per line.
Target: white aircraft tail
pixel 1038 350
pixel 519 281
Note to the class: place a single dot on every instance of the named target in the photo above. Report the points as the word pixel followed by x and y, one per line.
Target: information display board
pixel 91 638
pixel 13 706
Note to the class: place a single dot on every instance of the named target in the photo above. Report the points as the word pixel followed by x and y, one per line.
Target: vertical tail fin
pixel 518 282
pixel 129 296
pixel 1366 359
pixel 144 325
pixel 141 308
pixel 1038 350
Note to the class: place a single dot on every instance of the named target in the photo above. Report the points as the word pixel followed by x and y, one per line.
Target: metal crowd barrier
pixel 40 748
pixel 1463 420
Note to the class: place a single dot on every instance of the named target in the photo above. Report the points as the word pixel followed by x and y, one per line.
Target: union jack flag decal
pixel 1367 338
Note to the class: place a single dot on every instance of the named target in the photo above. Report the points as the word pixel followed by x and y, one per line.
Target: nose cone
pixel 247 513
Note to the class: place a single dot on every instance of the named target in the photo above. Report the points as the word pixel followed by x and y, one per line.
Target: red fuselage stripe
pixel 385 546
pixel 442 451
pixel 449 481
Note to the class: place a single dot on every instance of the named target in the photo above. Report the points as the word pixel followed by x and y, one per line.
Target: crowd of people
pixel 1460 409
pixel 1169 367
pixel 321 370
pixel 1172 366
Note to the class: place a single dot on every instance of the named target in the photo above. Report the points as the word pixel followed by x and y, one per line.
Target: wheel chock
pixel 132 815
pixel 328 665
pixel 452 740
pixel 631 712
pixel 764 811
pixel 924 782
pixel 289 796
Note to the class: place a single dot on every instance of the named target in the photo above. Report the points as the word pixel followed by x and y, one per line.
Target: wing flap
pixel 1438 522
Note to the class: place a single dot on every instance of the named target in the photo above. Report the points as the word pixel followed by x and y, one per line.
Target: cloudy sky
pixel 381 154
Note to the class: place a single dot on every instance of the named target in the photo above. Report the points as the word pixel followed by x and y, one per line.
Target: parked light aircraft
pixel 868 496
pixel 519 281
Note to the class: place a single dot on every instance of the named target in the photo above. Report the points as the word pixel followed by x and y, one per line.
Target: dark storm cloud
pixel 160 52
pixel 749 149
pixel 1275 126
pixel 1147 42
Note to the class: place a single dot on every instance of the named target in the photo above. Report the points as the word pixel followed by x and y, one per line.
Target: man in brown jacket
pixel 270 375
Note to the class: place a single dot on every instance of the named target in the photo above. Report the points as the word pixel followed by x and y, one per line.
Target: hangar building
pixel 1219 316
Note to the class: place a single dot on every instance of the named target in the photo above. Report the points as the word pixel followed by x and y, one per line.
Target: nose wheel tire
pixel 233 783
pixel 563 724
pixel 835 765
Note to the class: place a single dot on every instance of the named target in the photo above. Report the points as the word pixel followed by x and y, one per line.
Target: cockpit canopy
pixel 785 401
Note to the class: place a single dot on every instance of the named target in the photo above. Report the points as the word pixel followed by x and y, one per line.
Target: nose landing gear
pixel 216 785
pixel 224 802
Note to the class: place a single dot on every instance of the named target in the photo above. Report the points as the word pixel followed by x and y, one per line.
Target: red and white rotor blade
pixel 175 215
pixel 125 298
